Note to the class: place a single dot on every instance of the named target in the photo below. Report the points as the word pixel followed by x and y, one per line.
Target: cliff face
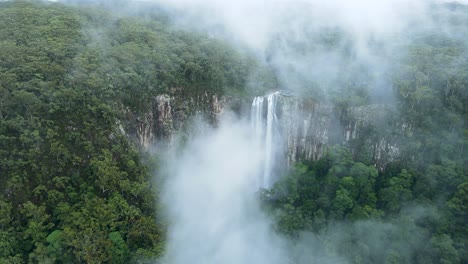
pixel 170 114
pixel 373 132
pixel 306 127
pixel 309 127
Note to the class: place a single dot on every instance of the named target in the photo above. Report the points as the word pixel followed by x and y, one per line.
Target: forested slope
pixel 73 188
pixel 415 209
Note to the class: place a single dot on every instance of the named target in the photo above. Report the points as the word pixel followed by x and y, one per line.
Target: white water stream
pixel 265 129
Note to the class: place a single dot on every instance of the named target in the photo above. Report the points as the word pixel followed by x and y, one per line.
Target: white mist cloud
pixel 254 22
pixel 213 214
pixel 215 217
pixel 210 198
pixel 286 34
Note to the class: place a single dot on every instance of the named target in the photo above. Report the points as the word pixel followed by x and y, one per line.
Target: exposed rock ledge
pixel 170 114
pixel 307 127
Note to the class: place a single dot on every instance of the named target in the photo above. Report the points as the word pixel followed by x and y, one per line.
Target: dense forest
pixel 413 210
pixel 75 189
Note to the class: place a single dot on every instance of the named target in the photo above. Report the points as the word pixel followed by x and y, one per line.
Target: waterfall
pixel 256 117
pixel 264 129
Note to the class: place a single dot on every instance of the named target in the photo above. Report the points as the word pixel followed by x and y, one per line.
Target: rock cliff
pixel 371 132
pixel 171 113
pixel 306 127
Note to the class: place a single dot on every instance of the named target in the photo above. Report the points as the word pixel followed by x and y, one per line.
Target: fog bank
pixel 211 203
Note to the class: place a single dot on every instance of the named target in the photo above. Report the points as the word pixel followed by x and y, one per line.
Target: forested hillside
pixel 73 188
pixel 415 209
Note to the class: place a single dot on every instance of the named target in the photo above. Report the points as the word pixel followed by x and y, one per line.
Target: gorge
pixel 209 131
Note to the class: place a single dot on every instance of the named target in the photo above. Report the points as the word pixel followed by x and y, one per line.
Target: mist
pixel 211 200
pixel 211 131
pixel 328 51
pixel 316 48
pixel 312 45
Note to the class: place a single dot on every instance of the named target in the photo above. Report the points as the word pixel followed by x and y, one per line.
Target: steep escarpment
pixel 170 114
pixel 372 132
pixel 305 127
pixel 80 86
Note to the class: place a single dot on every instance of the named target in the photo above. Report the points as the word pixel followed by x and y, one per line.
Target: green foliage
pixel 371 216
pixel 72 187
pixel 397 192
pixel 428 72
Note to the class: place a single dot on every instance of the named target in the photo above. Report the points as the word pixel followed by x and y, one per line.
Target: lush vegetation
pixel 400 215
pixel 73 188
pixel 415 209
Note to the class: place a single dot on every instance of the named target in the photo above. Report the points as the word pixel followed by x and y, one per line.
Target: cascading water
pixel 256 118
pixel 265 129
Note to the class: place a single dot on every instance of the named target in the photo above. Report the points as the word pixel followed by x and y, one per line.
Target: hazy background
pixel 316 47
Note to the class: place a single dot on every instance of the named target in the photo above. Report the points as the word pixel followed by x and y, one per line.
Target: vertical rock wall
pixel 307 127
pixel 372 132
pixel 170 114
